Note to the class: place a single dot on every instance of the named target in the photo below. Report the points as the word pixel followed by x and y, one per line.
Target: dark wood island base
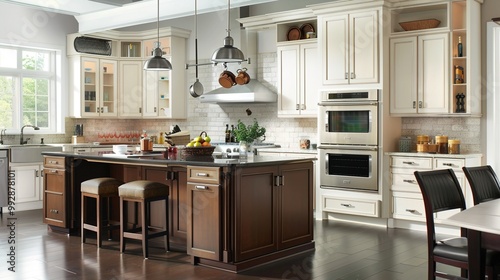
pixel 229 215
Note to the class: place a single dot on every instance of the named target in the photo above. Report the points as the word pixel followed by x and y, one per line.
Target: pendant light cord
pixel 158 24
pixel 228 13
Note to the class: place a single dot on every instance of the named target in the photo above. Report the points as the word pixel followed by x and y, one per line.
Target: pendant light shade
pixel 157 62
pixel 228 53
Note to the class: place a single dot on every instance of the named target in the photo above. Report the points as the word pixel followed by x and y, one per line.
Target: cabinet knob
pixel 140 110
pixel 353 76
pixel 297 107
pixel 155 110
pixel 346 76
pixel 414 105
pixel 420 105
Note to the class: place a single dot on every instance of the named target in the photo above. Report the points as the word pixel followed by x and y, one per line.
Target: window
pixel 27 87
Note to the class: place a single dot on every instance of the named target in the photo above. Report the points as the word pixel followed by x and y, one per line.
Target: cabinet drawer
pixel 404 182
pixel 412 162
pixel 408 208
pixel 54 180
pixel 54 162
pixel 454 163
pixel 54 209
pixel 81 150
pixel 203 174
pixel 351 206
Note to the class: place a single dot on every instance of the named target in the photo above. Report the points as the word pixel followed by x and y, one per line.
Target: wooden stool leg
pixel 123 221
pixel 167 236
pixel 145 225
pixel 98 220
pixel 83 216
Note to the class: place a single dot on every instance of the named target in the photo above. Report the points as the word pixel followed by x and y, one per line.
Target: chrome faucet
pixel 22 133
pixel 2 134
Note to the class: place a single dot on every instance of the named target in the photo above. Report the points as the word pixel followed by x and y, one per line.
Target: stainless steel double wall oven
pixel 348 136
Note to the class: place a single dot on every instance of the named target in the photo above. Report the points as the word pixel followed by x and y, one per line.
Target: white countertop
pixel 289 150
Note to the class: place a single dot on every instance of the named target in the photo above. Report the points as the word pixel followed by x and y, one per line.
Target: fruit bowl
pixel 197 151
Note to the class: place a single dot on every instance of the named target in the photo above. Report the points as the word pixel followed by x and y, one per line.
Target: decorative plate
pixel 306 27
pixel 294 33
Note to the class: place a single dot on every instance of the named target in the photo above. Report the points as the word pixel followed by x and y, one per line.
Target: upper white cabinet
pixel 428 75
pixel 94 85
pixel 298 86
pixel 131 88
pixel 118 85
pixel 419 74
pixel 349 42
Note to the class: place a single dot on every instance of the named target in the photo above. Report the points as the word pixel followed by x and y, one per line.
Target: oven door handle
pixel 340 103
pixel 349 147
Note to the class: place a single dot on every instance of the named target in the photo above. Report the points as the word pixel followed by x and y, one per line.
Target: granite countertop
pixel 289 150
pixel 157 159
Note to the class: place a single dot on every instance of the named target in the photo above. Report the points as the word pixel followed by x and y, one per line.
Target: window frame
pixel 53 75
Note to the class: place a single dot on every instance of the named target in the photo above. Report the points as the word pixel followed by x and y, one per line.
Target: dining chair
pixel 483 182
pixel 441 191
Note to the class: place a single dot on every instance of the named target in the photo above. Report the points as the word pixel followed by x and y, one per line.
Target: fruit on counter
pixel 200 141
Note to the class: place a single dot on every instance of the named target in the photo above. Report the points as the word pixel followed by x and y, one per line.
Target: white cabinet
pixel 157 97
pixel 29 181
pixel 407 203
pixel 298 79
pixel 131 90
pixel 350 48
pixel 419 74
pixel 94 87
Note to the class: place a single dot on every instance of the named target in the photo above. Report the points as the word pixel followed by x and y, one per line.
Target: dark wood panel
pixel 256 216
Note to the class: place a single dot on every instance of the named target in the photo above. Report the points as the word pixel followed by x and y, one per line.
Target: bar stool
pixel 100 189
pixel 142 192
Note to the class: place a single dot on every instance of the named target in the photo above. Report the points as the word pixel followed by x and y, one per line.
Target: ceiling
pixel 101 15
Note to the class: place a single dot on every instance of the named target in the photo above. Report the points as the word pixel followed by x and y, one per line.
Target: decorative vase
pixel 246 149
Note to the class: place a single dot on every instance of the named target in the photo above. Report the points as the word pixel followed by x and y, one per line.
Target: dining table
pixel 482 222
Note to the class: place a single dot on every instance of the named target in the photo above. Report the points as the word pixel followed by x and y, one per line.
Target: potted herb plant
pixel 247 134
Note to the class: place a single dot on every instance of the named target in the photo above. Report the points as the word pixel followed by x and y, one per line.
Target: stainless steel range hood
pixel 253 92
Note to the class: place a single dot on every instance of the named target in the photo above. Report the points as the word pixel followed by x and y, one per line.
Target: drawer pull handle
pixel 53 162
pixel 409 181
pixel 202 174
pixel 409 162
pixel 201 187
pixel 411 211
pixel 53 171
pixel 448 164
pixel 54 211
pixel 348 205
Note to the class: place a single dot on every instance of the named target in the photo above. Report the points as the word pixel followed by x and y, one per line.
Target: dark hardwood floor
pixel 343 251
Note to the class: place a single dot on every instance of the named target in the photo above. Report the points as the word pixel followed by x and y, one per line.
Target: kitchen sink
pixel 30 152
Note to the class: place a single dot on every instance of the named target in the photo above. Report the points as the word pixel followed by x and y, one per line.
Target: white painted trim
pixel 492 94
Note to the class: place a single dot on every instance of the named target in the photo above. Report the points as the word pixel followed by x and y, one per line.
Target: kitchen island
pixel 226 213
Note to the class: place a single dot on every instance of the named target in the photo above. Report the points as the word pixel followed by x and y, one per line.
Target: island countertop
pixel 157 159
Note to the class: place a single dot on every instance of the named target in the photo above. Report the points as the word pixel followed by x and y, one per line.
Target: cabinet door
pixel 433 81
pixel 156 91
pixel 178 204
pixel 90 80
pixel 204 221
pixel 295 205
pixel 130 88
pixel 335 50
pixel 256 212
pixel 310 73
pixel 108 88
pixel 289 80
pixel 27 182
pixel 363 47
pixel 403 75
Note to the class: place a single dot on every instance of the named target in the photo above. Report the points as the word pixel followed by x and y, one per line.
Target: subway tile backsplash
pixel 213 118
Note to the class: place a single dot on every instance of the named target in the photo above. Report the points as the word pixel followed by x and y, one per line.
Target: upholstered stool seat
pixel 99 189
pixel 142 192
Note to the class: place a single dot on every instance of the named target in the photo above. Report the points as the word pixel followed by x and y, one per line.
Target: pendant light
pixel 157 62
pixel 228 53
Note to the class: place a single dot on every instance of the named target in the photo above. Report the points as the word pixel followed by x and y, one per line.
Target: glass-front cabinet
pixel 99 84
